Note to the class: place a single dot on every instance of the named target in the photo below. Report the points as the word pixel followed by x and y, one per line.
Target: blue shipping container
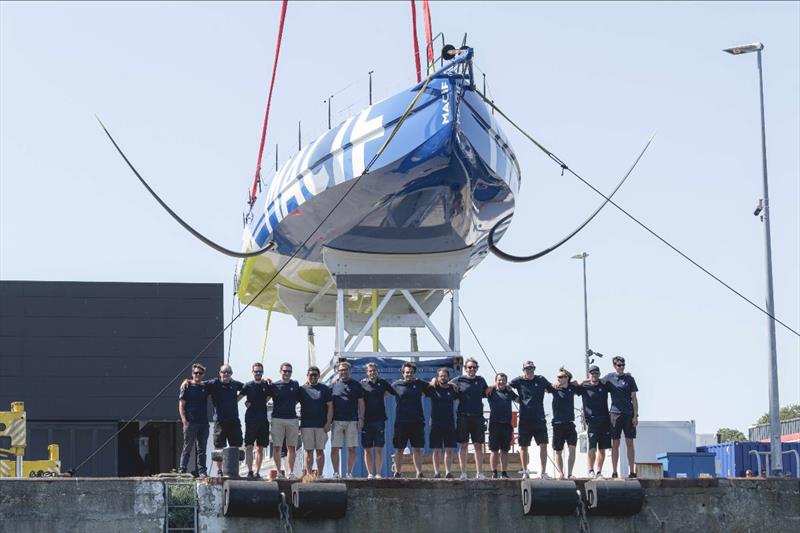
pixel 692 464
pixel 733 459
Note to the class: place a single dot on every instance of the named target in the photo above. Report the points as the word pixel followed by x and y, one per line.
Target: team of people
pixel 349 407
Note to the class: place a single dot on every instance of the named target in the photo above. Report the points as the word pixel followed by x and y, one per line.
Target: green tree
pixel 787 412
pixel 730 435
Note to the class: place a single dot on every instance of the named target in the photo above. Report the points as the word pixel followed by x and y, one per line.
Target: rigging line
pixel 354 182
pixel 174 215
pixel 269 103
pixel 566 168
pixel 524 259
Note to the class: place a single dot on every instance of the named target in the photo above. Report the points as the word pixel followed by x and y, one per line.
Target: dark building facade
pixel 87 356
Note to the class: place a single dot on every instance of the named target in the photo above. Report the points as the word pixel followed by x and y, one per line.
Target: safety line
pixel 566 168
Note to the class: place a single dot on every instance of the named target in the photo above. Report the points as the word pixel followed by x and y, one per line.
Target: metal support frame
pixel 345 348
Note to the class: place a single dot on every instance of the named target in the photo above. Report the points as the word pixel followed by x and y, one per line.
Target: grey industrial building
pixel 87 356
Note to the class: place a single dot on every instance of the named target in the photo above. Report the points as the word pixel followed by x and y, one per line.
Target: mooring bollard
pixel 549 497
pixel 248 498
pixel 319 500
pixel 230 462
pixel 614 498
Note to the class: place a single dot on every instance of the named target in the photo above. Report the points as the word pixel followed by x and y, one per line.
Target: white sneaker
pixel 598 475
pixel 480 475
pixel 377 476
pixel 544 475
pixel 336 475
pixel 463 475
pixel 525 474
pixel 370 476
pixel 292 476
pixel 349 476
pixel 591 473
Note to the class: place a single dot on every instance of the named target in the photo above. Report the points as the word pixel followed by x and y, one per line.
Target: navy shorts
pixel 442 436
pixel 471 427
pixel 256 433
pixel 564 432
pixel 599 435
pixel 409 431
pixel 500 436
pixel 536 429
pixel 621 423
pixel 373 434
pixel 227 430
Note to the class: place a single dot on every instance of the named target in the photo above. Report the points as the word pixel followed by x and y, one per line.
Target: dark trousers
pixel 195 436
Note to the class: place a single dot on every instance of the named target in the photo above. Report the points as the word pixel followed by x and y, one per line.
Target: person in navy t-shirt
pixel 598 422
pixel 443 427
pixel 373 433
pixel 193 408
pixel 348 418
pixel 501 431
pixel 316 414
pixel 285 427
pixel 256 425
pixel 564 420
pixel 471 423
pixel 532 424
pixel 409 422
pixel 624 413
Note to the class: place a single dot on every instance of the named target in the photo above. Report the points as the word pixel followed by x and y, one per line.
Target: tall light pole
pixel 763 210
pixel 582 256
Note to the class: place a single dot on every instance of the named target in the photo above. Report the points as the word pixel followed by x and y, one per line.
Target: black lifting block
pixel 250 498
pixel 549 497
pixel 216 455
pixel 614 498
pixel 319 500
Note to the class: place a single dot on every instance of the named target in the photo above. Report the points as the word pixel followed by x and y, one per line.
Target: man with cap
pixel 598 423
pixel 624 413
pixel 532 423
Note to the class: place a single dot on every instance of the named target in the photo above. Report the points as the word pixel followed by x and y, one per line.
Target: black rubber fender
pixel 250 498
pixel 613 497
pixel 319 501
pixel 549 497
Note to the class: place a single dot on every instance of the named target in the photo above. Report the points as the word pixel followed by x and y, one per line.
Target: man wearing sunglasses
pixel 193 408
pixel 532 422
pixel 256 425
pixel 564 420
pixel 598 423
pixel 224 392
pixel 624 413
pixel 471 423
pixel 285 428
pixel 316 411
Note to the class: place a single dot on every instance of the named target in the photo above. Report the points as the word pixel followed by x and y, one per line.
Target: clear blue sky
pixel 183 87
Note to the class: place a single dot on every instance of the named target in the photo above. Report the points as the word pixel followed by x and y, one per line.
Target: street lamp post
pixel 582 256
pixel 763 210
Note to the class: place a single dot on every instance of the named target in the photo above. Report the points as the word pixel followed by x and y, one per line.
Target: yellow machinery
pixel 12 448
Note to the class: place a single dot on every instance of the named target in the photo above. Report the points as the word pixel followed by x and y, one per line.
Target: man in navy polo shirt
pixel 373 434
pixel 532 423
pixel 564 420
pixel 316 413
pixel 348 418
pixel 409 422
pixel 501 432
pixel 471 424
pixel 285 429
pixel 193 408
pixel 224 392
pixel 624 413
pixel 598 423
pixel 443 427
pixel 256 424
